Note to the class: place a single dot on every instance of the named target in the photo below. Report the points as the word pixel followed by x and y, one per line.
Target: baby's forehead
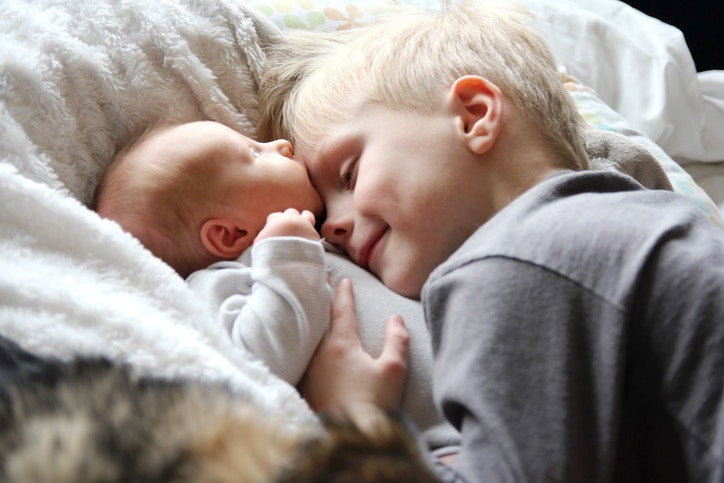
pixel 187 144
pixel 200 135
pixel 200 130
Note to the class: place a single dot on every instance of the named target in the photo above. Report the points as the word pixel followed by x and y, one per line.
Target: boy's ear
pixel 224 238
pixel 478 106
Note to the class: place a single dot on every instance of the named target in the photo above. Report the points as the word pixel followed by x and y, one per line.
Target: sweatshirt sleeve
pixel 527 366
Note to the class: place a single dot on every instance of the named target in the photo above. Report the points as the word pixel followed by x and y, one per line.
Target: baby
pixel 208 200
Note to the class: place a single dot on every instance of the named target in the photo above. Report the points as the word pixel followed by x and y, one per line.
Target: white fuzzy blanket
pixel 78 78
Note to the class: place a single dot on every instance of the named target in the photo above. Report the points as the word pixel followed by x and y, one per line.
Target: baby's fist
pixel 289 223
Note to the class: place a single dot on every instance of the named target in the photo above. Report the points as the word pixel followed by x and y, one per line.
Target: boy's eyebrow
pixel 318 156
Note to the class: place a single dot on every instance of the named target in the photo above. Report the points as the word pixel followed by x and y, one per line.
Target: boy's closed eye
pixel 348 177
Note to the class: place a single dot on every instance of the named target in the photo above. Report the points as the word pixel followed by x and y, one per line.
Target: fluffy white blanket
pixel 77 79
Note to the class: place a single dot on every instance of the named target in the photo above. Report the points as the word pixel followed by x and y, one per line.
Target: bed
pixel 80 78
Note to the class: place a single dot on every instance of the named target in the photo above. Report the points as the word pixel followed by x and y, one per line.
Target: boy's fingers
pixel 343 320
pixel 397 343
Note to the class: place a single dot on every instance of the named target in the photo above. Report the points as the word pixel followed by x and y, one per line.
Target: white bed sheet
pixel 642 68
pixel 710 176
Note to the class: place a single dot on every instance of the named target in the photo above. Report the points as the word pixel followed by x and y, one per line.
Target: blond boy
pixel 575 316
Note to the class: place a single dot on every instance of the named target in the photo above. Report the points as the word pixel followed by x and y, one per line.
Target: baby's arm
pixel 343 379
pixel 289 223
pixel 277 307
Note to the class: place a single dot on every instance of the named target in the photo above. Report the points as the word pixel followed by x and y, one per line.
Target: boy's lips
pixel 367 252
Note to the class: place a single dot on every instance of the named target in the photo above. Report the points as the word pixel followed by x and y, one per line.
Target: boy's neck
pixel 521 159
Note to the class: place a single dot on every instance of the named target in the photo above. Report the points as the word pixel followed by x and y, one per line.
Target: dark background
pixel 702 23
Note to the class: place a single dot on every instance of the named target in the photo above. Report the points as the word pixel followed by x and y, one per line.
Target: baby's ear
pixel 224 238
pixel 478 106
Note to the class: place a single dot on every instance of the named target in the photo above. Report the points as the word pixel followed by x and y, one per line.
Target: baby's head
pixel 199 192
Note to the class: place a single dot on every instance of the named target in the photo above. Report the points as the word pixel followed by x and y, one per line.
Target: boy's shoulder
pixel 560 207
pixel 585 224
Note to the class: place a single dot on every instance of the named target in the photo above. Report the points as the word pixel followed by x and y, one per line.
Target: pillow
pixel 599 115
pixel 324 16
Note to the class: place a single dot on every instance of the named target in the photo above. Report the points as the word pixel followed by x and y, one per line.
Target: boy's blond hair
pixel 403 60
pixel 161 201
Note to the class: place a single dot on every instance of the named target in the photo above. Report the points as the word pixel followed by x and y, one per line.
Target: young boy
pixel 209 201
pixel 237 218
pixel 576 318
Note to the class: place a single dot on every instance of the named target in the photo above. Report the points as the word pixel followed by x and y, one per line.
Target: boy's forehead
pixel 313 143
pixel 313 148
pixel 327 139
pixel 318 114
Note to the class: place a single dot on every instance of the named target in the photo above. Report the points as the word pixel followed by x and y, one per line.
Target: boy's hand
pixel 289 223
pixel 344 379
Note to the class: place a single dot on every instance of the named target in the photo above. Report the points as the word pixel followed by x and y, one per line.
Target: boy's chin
pixel 406 285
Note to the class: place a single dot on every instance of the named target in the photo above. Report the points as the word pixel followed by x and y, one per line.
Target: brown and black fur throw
pixel 91 420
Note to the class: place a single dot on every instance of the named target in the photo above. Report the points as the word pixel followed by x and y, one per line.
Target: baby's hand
pixel 289 223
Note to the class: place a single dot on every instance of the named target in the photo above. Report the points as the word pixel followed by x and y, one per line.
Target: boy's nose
pixel 337 230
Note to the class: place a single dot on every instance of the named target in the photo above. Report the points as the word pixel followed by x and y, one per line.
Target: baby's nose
pixel 282 146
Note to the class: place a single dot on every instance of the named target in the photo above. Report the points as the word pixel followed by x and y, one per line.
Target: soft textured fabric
pixel 274 300
pixel 615 152
pixel 80 78
pixel 578 336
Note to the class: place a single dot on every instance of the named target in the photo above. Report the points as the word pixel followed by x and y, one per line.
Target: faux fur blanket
pixel 78 78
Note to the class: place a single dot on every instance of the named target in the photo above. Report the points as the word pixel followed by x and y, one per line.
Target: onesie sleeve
pixel 277 308
pixel 527 366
